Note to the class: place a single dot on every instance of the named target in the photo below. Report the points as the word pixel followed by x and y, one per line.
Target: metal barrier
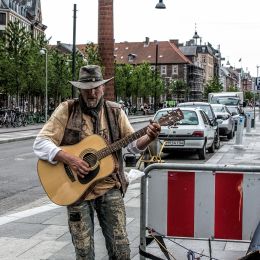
pixel 199 201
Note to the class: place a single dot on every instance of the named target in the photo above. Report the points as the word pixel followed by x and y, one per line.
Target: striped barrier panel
pixel 200 201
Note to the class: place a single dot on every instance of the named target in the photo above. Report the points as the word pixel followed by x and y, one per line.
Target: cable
pixel 187 249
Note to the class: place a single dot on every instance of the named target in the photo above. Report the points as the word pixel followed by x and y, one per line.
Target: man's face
pixel 92 96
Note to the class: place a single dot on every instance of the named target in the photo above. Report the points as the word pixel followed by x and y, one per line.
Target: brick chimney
pixel 106 43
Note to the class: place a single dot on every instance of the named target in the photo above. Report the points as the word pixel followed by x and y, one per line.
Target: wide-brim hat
pixel 90 76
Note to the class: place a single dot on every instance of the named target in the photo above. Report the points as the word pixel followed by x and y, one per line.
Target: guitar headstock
pixel 171 118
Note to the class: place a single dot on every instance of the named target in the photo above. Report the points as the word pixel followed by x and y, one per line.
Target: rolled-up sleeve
pixel 45 149
pixel 46 144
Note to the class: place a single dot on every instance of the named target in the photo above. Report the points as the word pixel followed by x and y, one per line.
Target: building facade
pixel 26 12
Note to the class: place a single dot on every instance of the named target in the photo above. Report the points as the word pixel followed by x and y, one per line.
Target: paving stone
pixel 60 219
pixel 43 250
pixel 20 230
pixel 13 247
pixel 51 232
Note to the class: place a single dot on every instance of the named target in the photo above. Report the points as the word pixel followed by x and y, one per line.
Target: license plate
pixel 176 142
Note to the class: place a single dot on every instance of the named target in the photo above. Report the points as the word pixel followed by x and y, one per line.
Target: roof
pixel 3 4
pixel 189 50
pixel 168 53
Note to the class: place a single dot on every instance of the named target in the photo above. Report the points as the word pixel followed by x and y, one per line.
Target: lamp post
pixel 160 5
pixel 44 51
pixel 156 72
pixel 74 51
pixel 257 67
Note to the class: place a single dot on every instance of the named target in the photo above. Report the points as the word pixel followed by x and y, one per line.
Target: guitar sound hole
pixel 92 160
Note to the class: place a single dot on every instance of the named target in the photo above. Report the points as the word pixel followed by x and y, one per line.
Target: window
pixel 2 18
pixel 163 70
pixel 174 69
pixel 205 118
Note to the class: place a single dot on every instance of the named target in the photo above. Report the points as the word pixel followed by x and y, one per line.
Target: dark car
pixel 207 108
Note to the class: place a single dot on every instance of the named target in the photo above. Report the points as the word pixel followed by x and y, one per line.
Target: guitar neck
pixel 120 143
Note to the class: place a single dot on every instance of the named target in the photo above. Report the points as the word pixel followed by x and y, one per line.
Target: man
pixel 71 122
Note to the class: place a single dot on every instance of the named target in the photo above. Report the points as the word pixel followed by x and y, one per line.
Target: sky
pixel 234 25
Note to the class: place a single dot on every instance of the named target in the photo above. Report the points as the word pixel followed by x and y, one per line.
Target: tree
pixel 124 80
pixel 16 42
pixel 213 85
pixel 180 89
pixel 232 89
pixel 93 55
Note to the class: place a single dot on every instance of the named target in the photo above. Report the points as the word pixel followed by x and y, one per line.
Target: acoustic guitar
pixel 64 187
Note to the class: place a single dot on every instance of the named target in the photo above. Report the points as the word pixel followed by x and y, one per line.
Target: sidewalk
pixel 39 230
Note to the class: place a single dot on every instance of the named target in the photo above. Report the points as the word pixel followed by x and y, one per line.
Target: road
pixel 19 180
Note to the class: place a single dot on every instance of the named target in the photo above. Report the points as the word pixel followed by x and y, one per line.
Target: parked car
pixel 194 132
pixel 207 108
pixel 225 120
pixel 236 112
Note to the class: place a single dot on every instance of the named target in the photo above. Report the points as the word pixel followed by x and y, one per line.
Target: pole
pixel 156 71
pixel 257 67
pixel 74 50
pixel 46 85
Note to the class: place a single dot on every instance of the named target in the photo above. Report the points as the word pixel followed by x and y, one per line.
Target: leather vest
pixel 73 131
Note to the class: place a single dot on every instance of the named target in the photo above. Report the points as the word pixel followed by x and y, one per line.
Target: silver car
pixel 225 120
pixel 194 132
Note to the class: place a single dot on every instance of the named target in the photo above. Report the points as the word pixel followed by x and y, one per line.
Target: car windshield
pixel 218 109
pixel 205 108
pixel 233 109
pixel 190 117
pixel 228 101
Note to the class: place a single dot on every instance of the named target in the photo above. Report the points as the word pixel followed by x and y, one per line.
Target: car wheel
pixel 217 142
pixel 212 148
pixel 202 152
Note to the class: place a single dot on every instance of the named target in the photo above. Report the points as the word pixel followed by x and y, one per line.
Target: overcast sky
pixel 232 24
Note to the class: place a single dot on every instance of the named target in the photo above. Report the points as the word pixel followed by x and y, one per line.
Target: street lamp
pixel 257 67
pixel 44 51
pixel 156 72
pixel 160 5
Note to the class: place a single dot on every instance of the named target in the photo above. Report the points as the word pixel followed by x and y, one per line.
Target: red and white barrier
pixel 203 204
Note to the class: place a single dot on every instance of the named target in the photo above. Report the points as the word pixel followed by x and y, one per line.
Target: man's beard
pixel 92 102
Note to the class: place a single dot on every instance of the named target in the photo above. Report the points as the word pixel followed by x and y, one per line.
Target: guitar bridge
pixel 69 172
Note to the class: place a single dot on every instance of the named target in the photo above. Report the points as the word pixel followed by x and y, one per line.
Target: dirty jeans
pixel 110 211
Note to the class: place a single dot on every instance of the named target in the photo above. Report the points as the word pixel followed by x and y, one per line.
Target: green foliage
pixel 23 68
pixel 232 89
pixel 179 88
pixel 93 55
pixel 213 85
pixel 248 95
pixel 137 81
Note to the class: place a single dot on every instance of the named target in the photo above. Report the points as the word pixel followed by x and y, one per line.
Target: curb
pixel 16 139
